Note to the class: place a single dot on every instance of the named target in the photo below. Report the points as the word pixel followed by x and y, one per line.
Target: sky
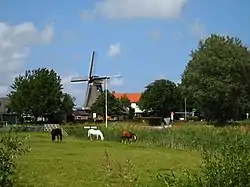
pixel 142 40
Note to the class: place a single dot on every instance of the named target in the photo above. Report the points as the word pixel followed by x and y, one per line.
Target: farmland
pixel 81 162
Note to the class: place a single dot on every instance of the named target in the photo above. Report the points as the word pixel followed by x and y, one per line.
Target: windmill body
pixel 94 85
pixel 93 91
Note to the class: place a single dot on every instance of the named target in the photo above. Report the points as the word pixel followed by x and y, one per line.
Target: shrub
pixel 229 166
pixel 192 118
pixel 10 147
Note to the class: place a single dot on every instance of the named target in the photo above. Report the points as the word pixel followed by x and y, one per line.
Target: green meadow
pixel 77 162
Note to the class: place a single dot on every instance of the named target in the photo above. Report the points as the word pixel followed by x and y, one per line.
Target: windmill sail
pixel 94 87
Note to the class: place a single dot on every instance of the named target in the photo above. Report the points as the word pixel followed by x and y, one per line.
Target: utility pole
pixel 106 97
pixel 185 103
pixel 106 102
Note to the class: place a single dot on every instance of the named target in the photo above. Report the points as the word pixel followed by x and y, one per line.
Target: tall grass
pixel 122 174
pixel 225 150
pixel 182 137
pixel 230 166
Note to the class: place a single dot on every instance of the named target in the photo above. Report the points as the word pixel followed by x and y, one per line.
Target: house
pixel 80 115
pixel 4 101
pixel 5 115
pixel 134 99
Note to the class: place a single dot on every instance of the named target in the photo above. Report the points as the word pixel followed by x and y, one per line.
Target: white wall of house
pixel 136 107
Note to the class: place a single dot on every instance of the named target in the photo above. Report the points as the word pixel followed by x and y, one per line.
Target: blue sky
pixel 151 39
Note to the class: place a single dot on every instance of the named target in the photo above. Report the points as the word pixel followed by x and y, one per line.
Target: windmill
pixel 94 84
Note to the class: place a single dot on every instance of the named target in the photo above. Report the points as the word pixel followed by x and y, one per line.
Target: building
pixel 6 116
pixel 134 99
pixel 4 101
pixel 80 115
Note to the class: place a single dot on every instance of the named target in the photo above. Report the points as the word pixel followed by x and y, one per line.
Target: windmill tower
pixel 94 84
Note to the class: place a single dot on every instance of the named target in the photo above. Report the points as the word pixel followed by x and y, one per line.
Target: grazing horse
pixel 96 133
pixel 56 133
pixel 128 135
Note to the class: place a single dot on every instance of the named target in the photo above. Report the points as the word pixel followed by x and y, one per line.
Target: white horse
pixel 96 133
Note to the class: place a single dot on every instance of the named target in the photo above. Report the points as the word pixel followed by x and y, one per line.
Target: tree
pixel 68 103
pixel 160 96
pixel 125 101
pixel 217 78
pixel 127 104
pixel 37 92
pixel 114 105
pixel 66 110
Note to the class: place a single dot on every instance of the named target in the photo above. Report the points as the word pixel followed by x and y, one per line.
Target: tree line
pixel 39 93
pixel 215 82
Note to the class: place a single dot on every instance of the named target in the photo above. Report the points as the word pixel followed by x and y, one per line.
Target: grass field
pixel 216 156
pixel 78 162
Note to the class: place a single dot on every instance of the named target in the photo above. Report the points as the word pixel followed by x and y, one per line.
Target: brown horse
pixel 128 135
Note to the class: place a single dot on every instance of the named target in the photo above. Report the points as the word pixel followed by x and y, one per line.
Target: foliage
pixel 131 113
pixel 127 104
pixel 192 118
pixel 10 147
pixel 161 96
pixel 125 101
pixel 68 103
pixel 114 105
pixel 230 166
pixel 216 78
pixel 37 92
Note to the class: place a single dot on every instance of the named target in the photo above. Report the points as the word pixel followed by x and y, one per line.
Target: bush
pixel 10 147
pixel 229 166
pixel 192 118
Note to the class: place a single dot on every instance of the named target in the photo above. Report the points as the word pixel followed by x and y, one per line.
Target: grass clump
pixel 118 174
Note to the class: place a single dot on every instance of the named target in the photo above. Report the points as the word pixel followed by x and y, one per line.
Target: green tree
pixel 66 109
pixel 161 96
pixel 127 104
pixel 68 103
pixel 114 105
pixel 37 92
pixel 217 78
pixel 125 101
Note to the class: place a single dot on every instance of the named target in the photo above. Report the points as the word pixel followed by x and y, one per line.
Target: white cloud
pixel 197 29
pixel 114 50
pixel 125 9
pixel 15 44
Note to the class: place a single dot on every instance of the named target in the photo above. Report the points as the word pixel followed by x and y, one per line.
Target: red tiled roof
pixel 133 97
